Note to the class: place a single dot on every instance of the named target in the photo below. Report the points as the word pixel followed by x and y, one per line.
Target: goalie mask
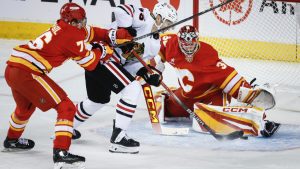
pixel 188 41
pixel 73 14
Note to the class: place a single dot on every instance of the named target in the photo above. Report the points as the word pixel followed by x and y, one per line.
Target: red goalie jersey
pixel 58 44
pixel 205 78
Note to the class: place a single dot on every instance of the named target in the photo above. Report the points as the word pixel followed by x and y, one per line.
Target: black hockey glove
pixel 131 31
pixel 127 48
pixel 152 79
pixel 96 46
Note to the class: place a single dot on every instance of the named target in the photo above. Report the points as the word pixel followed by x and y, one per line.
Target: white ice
pixel 193 151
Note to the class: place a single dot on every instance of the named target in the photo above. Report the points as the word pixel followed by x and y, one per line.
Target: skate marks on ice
pixel 286 138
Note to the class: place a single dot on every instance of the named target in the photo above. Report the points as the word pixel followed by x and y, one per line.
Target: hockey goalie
pixel 208 86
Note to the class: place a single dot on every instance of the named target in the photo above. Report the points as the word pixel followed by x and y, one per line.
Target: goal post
pixel 260 38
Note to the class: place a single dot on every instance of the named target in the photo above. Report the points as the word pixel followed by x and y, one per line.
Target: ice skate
pixel 21 144
pixel 65 160
pixel 121 143
pixel 270 128
pixel 76 134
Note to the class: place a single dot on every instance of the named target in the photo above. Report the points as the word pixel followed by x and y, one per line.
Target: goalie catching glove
pixel 153 79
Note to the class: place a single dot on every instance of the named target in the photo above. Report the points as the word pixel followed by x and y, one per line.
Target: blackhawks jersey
pixel 58 44
pixel 205 74
pixel 141 20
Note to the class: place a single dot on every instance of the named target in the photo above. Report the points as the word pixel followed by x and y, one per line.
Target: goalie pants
pixel 32 91
pixel 173 109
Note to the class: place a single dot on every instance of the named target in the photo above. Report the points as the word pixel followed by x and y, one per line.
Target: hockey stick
pixel 230 136
pixel 153 115
pixel 177 23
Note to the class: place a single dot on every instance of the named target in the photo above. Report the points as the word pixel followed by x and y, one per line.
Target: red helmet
pixel 188 37
pixel 71 11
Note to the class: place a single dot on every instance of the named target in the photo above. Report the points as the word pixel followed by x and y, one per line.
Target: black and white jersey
pixel 140 19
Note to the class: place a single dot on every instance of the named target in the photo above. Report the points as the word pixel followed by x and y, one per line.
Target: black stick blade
pixel 231 136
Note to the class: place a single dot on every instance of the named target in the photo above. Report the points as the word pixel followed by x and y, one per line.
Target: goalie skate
pixel 21 144
pixel 65 160
pixel 121 143
pixel 270 129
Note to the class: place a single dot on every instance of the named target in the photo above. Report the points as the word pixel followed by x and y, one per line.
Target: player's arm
pixel 87 58
pixel 232 83
pixel 112 36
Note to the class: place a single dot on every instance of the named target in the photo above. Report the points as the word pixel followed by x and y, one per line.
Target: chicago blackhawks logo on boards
pixel 232 13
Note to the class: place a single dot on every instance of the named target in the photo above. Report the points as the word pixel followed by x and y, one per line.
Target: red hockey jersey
pixel 205 74
pixel 58 44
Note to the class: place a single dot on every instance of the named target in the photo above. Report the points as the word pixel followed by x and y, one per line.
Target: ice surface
pixel 194 151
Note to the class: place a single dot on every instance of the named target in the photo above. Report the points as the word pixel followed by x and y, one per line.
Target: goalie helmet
pixel 166 11
pixel 188 37
pixel 70 12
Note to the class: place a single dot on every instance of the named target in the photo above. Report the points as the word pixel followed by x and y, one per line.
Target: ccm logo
pixel 235 109
pixel 151 105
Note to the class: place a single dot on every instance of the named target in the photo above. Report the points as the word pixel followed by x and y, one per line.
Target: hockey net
pixel 260 38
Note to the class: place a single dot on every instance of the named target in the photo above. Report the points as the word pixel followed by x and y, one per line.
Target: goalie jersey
pixel 205 74
pixel 141 20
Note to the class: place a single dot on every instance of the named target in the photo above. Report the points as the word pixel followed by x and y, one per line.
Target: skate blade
pixel 115 148
pixel 8 150
pixel 63 165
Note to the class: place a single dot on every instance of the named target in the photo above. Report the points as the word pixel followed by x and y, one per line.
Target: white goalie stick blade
pixel 174 131
pixel 154 119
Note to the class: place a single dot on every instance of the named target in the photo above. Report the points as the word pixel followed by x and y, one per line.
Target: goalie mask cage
pixel 260 38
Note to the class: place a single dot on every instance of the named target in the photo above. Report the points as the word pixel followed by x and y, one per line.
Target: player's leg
pixel 45 94
pixel 98 87
pixel 18 121
pixel 215 111
pixel 125 110
pixel 56 98
pixel 173 109
pixel 130 90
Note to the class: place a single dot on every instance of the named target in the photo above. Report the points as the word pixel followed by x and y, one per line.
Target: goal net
pixel 260 38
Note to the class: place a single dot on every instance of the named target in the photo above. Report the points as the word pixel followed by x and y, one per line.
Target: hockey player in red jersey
pixel 121 70
pixel 29 64
pixel 204 78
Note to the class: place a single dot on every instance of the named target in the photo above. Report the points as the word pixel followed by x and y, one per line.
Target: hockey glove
pixel 131 31
pixel 134 46
pixel 106 51
pixel 119 36
pixel 152 79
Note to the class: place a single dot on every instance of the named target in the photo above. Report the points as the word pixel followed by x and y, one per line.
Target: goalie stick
pixel 175 24
pixel 230 136
pixel 153 115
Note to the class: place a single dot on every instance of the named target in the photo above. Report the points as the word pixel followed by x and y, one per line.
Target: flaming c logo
pixel 232 13
pixel 150 4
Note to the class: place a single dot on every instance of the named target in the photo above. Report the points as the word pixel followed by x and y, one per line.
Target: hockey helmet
pixel 70 12
pixel 188 39
pixel 166 11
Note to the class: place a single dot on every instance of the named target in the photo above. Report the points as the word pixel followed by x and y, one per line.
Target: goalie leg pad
pixel 224 120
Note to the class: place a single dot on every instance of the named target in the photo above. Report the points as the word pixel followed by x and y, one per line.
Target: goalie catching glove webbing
pixel 153 79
